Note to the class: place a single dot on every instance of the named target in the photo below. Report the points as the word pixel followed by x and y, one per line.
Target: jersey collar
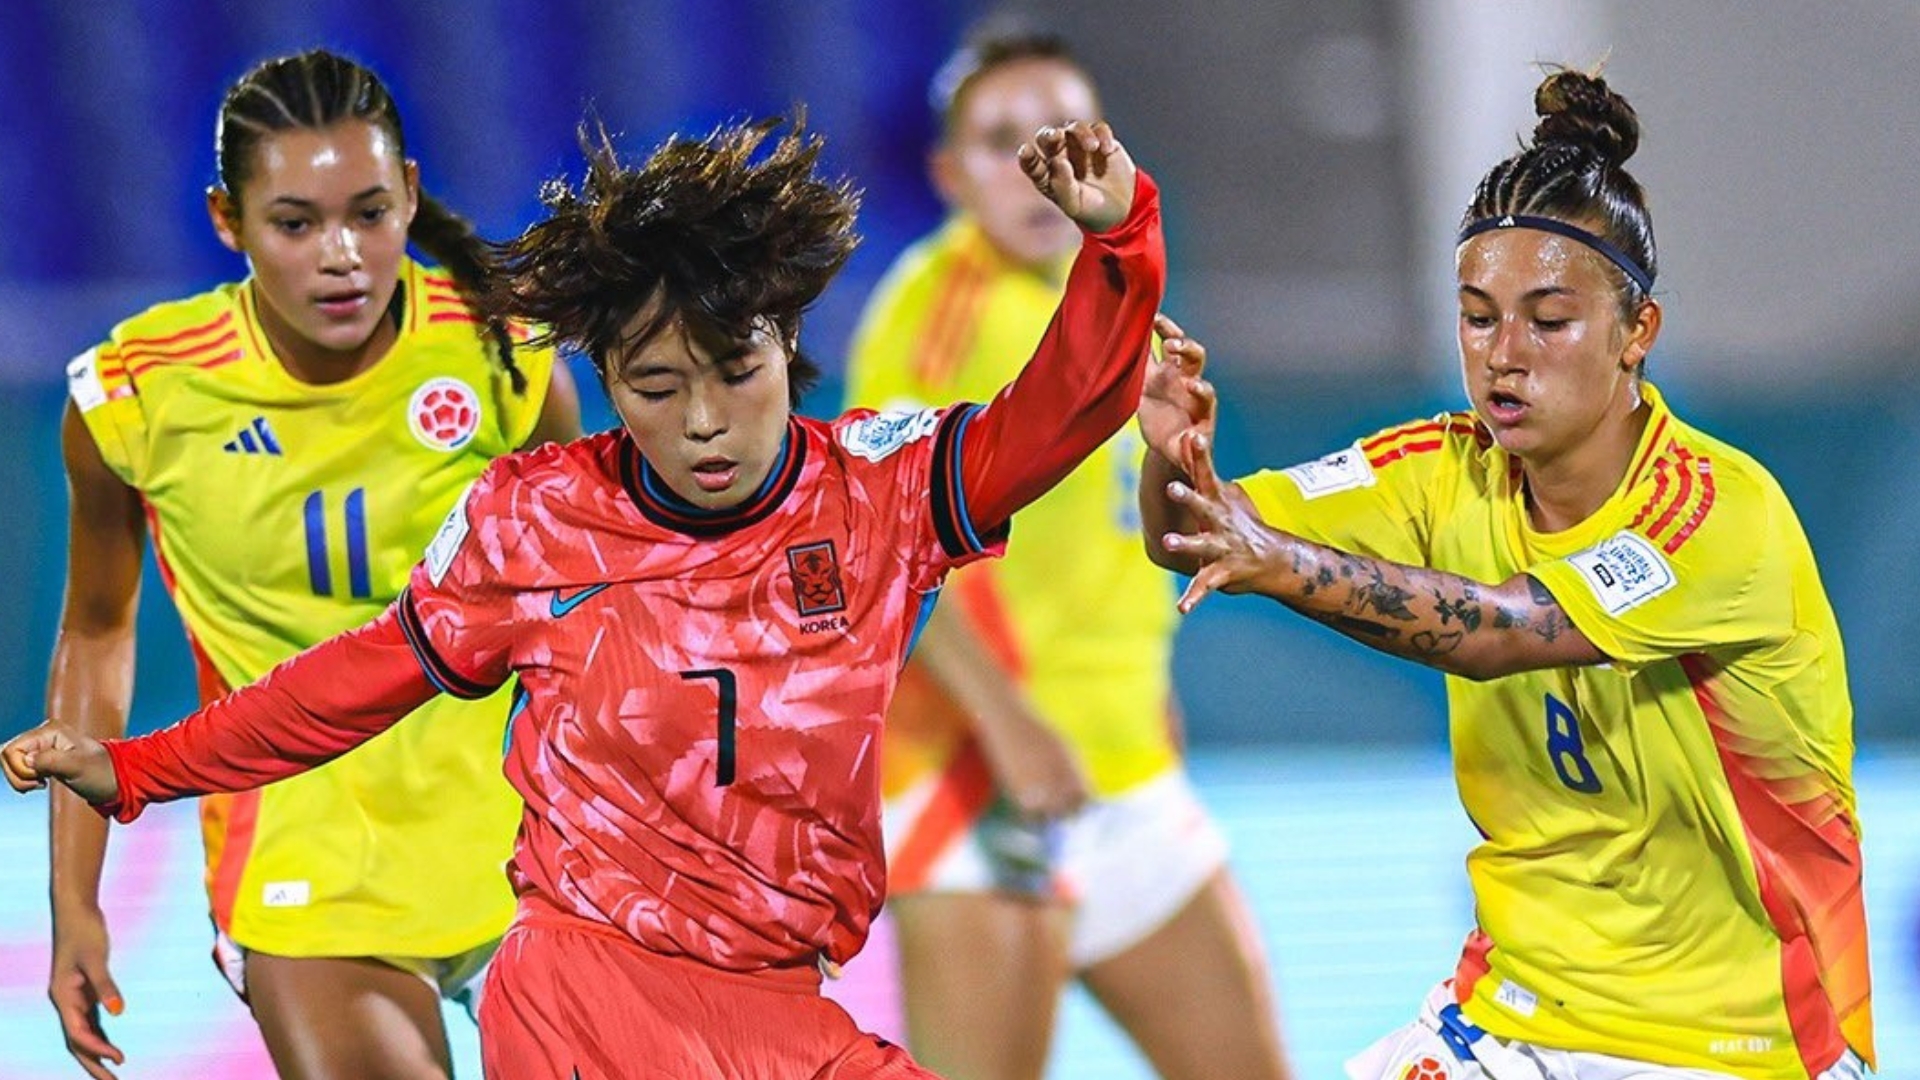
pixel 658 504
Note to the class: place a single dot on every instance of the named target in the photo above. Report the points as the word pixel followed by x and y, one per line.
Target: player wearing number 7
pixel 707 609
pixel 1649 712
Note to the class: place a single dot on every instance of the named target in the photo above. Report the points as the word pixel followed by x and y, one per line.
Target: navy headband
pixel 1572 232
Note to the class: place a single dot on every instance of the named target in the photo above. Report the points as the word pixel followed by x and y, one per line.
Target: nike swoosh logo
pixel 561 605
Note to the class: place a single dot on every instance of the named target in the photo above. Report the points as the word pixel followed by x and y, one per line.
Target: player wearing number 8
pixel 707 609
pixel 1649 713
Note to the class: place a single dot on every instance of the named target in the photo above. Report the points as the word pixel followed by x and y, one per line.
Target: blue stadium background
pixel 1327 762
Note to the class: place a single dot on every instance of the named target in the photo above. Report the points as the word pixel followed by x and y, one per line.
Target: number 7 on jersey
pixel 729 698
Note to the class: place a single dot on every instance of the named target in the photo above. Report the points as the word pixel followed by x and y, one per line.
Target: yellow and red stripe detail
pixel 208 345
pixel 1647 457
pixel 1683 496
pixel 985 605
pixel 1807 865
pixel 227 822
pixel 953 323
pixel 1418 437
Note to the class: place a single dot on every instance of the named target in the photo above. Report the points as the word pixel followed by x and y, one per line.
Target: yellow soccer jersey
pixel 1074 611
pixel 1671 870
pixel 284 513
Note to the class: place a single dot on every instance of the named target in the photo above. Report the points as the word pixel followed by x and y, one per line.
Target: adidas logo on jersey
pixel 256 438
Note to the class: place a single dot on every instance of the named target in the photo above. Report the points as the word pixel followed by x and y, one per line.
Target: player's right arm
pixel 1478 630
pixel 1031 764
pixel 450 629
pixel 91 686
pixel 1083 380
pixel 302 714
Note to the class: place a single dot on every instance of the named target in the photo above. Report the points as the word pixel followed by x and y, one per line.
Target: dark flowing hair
pixel 726 231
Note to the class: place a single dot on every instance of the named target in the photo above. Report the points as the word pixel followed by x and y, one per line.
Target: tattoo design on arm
pixel 1412 612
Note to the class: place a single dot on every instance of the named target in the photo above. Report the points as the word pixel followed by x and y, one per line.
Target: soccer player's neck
pixel 317 362
pixel 1566 488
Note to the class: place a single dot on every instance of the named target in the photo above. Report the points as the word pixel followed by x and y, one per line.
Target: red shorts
pixel 566 999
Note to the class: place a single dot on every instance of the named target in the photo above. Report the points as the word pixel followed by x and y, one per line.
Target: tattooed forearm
pixel 1430 616
pixel 1437 644
pixel 1464 609
pixel 1381 595
pixel 1363 629
pixel 1540 614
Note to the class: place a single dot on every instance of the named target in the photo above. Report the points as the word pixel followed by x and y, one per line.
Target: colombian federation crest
pixel 444 413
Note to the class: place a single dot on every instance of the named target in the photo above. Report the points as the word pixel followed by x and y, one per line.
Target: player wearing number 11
pixel 707 608
pixel 291 442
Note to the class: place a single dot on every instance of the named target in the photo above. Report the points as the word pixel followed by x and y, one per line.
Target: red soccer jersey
pixel 700 694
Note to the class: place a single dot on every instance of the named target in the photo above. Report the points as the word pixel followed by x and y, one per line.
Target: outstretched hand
pixel 54 753
pixel 1232 546
pixel 1176 404
pixel 1084 170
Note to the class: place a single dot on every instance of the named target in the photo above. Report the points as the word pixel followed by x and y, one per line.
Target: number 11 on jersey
pixel 319 568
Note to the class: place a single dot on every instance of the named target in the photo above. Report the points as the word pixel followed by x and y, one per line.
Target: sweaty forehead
pixel 353 153
pixel 1520 260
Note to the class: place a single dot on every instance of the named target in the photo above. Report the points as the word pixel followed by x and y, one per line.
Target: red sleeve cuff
pixel 123 807
pixel 1142 216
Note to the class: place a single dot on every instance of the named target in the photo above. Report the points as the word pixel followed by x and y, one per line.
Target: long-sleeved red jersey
pixel 700 693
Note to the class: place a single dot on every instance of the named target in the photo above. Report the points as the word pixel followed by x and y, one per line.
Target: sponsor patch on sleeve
pixel 1624 571
pixel 446 543
pixel 1342 470
pixel 1516 997
pixel 83 381
pixel 875 437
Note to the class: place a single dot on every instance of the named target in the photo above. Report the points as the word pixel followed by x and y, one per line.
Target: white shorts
pixel 458 978
pixel 1127 864
pixel 1444 1045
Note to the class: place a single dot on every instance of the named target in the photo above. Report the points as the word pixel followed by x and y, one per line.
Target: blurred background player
pixel 707 608
pixel 1040 827
pixel 292 441
pixel 1650 721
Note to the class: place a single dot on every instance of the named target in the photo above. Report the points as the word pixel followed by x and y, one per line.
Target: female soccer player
pixel 1650 720
pixel 292 441
pixel 1044 676
pixel 707 609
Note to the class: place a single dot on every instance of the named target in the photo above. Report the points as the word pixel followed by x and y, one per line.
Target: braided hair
pixel 314 90
pixel 1574 171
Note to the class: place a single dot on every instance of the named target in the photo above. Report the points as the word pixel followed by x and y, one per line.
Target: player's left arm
pixel 1083 381
pixel 1436 618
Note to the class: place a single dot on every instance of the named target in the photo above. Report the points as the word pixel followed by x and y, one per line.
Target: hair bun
pixel 1579 109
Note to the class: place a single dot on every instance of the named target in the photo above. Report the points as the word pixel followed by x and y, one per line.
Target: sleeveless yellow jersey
pixel 1074 612
pixel 284 513
pixel 1671 870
